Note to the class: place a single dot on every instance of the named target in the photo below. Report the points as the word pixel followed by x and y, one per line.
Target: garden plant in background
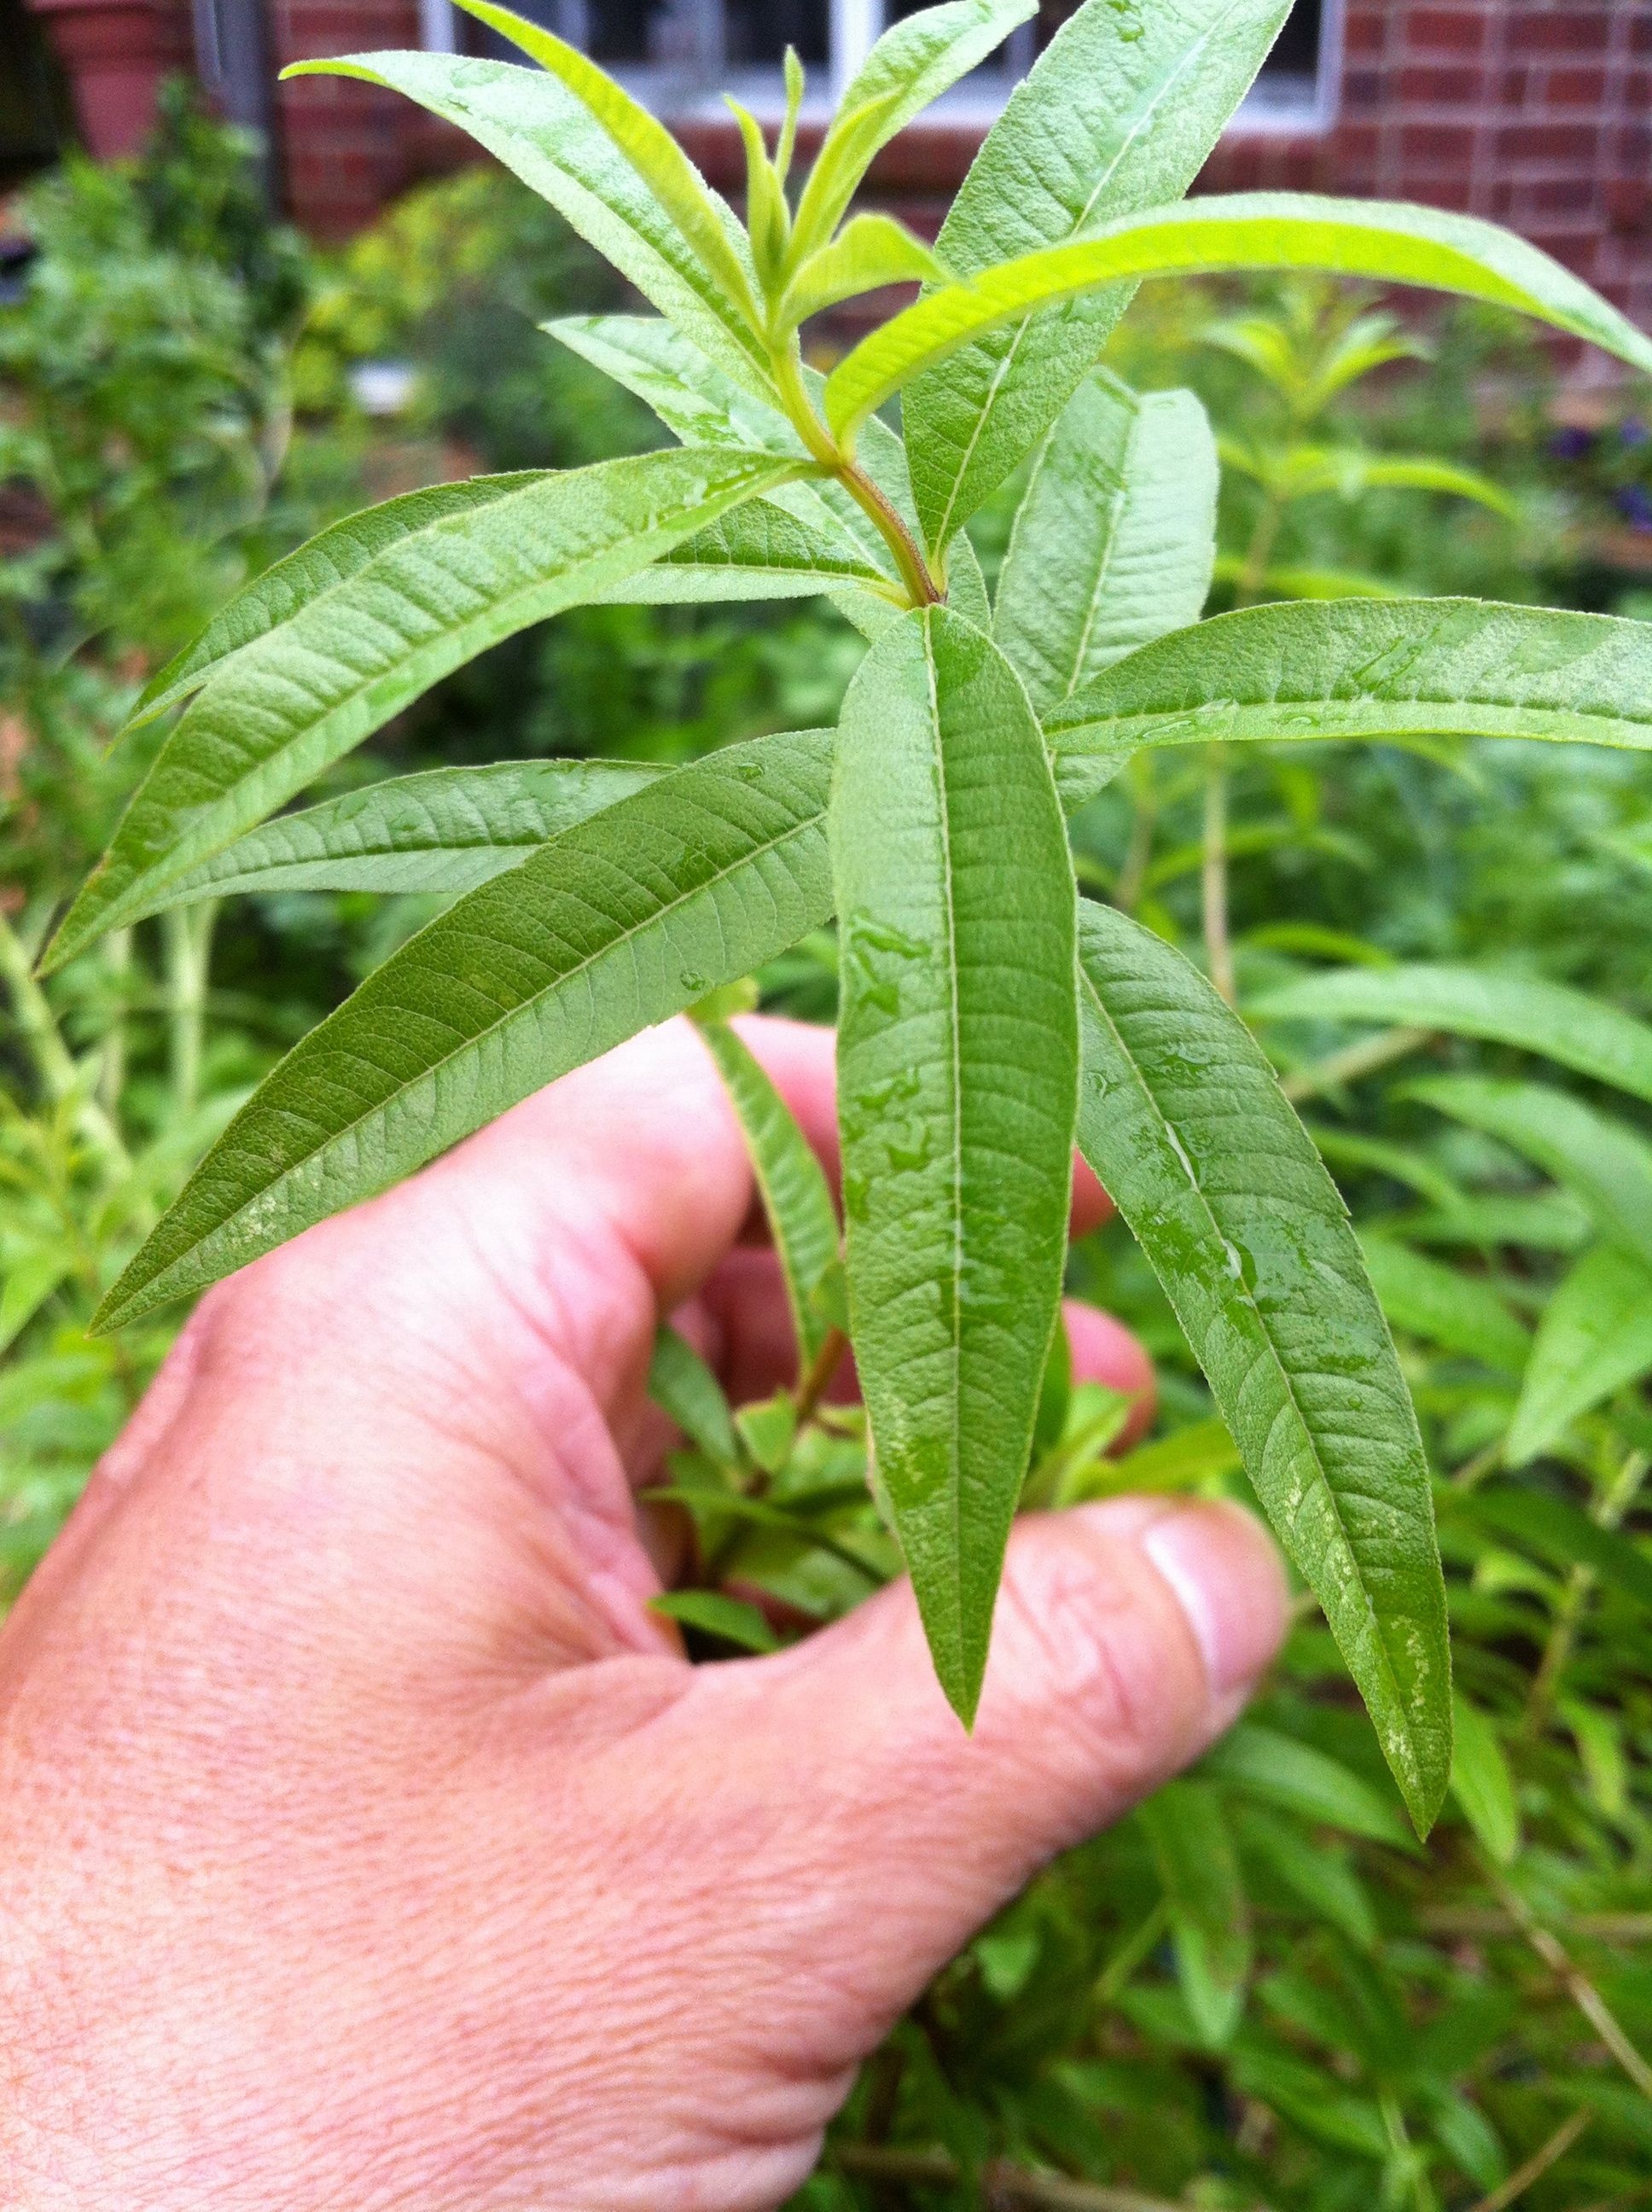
pixel 984 1022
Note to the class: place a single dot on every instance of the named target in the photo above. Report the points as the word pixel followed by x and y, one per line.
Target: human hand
pixel 368 1842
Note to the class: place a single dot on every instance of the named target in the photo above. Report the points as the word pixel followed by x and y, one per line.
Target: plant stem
pixel 1577 1983
pixel 1214 881
pixel 112 1073
pixel 1358 1060
pixel 188 933
pixel 816 1379
pixel 1139 853
pixel 1003 2185
pixel 54 1064
pixel 921 586
pixel 1574 1599
pixel 1547 2154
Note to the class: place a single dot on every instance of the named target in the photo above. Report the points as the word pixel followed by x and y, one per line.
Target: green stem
pixel 188 933
pixel 1353 1062
pixel 921 586
pixel 111 1073
pixel 1575 1598
pixel 54 1064
pixel 1139 853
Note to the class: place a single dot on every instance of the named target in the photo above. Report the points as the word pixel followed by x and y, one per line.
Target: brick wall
pixel 1534 113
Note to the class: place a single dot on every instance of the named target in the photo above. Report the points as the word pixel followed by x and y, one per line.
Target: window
pixel 681 55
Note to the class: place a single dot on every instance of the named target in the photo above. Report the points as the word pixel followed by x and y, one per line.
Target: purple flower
pixel 1634 505
pixel 1633 431
pixel 1572 444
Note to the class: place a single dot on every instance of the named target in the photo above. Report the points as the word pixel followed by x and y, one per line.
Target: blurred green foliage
pixel 1261 1993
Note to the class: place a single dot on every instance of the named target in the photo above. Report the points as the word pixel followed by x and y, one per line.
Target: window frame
pixel 1309 106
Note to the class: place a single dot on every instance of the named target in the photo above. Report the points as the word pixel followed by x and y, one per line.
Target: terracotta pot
pixel 115 53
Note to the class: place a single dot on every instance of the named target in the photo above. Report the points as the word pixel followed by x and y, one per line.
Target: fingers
pixel 1128 1635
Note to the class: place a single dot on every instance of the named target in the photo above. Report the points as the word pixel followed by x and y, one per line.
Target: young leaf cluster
pixel 988 1024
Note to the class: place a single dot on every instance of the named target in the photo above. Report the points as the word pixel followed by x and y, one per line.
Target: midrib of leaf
pixel 622 940
pixel 944 815
pixel 1280 1369
pixel 1103 567
pixel 1144 117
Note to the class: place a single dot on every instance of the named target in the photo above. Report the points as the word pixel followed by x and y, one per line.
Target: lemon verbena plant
pixel 989 1019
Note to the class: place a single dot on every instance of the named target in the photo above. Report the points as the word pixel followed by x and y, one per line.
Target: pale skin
pixel 368 1843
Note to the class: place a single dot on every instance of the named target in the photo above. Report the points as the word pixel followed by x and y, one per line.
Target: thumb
pixel 1129 1636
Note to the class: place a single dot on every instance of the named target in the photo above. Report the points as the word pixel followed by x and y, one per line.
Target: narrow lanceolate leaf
pixel 1595 1339
pixel 871 251
pixel 1182 1119
pixel 1368 668
pixel 1562 1532
pixel 1601 1160
pixel 913 62
pixel 1569 1026
pixel 444 581
pixel 1115 541
pixel 1482 1785
pixel 1282 1771
pixel 802 1218
pixel 706 224
pixel 544 132
pixel 1209 1916
pixel 757 552
pixel 621 921
pixel 703 407
pixel 1445 1306
pixel 1120 114
pixel 685 1390
pixel 1392 241
pixel 957 1070
pixel 445 831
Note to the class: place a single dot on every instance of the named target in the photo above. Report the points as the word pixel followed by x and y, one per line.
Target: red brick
pixel 1446 30
pixel 1436 83
pixel 1575 88
pixel 1436 143
pixel 1558 196
pixel 1361 90
pixel 1628 202
pixel 1558 30
pixel 1515 86
pixel 1547 142
pixel 1578 249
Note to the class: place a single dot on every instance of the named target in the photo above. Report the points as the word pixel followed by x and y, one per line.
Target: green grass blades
pixel 1373 670
pixel 957 1082
pixel 1182 1119
pixel 624 919
pixel 443 831
pixel 1422 1297
pixel 1392 242
pixel 445 578
pixel 912 63
pixel 1120 114
pixel 1595 1339
pixel 1568 1026
pixel 802 1218
pixel 1115 541
pixel 559 148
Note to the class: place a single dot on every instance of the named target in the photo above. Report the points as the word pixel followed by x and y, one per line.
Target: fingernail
pixel 1227 1581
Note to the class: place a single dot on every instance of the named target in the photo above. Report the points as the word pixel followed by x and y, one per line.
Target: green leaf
pixel 1182 1119
pixel 756 552
pixel 1120 113
pixel 796 1198
pixel 769 1430
pixel 1569 1026
pixel 703 407
pixel 714 1614
pixel 549 136
pixel 956 1075
pixel 442 580
pixel 1443 1305
pixel 685 1390
pixel 1114 543
pixel 1389 240
pixel 1482 1785
pixel 1602 1162
pixel 1209 1916
pixel 30 1281
pixel 1380 671
pixel 1320 1878
pixel 445 830
pixel 872 250
pixel 912 63
pixel 966 585
pixel 706 224
pixel 1297 1778
pixel 1595 1339
pixel 1560 1532
pixel 621 921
